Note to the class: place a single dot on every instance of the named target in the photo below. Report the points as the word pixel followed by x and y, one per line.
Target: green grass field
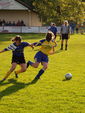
pixel 50 94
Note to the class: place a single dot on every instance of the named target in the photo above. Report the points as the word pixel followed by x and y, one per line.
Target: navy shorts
pixel 18 60
pixel 64 36
pixel 41 57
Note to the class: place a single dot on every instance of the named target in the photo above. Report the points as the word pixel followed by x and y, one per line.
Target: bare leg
pixel 23 69
pixel 10 71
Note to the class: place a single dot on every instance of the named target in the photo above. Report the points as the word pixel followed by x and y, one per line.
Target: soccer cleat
pixel 65 48
pixel 16 75
pixel 61 48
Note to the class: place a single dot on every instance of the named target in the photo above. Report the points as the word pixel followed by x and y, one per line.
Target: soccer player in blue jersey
pixel 17 48
pixel 46 47
pixel 53 29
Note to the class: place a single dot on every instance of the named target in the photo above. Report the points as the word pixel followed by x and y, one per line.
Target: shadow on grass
pixel 66 79
pixel 15 87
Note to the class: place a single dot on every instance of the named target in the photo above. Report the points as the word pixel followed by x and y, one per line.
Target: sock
pixel 66 47
pixel 40 73
pixel 61 46
pixel 29 63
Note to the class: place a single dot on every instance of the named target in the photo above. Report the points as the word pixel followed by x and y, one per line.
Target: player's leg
pixel 33 64
pixel 37 60
pixel 45 65
pixel 66 44
pixel 10 71
pixel 44 62
pixel 23 69
pixel 62 41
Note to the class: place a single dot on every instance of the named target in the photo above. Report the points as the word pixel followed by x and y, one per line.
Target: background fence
pixel 24 29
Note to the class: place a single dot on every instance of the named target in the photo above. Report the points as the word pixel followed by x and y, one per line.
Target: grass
pixel 51 94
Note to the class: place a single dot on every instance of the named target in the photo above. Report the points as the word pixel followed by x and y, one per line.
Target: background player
pixel 53 29
pixel 65 32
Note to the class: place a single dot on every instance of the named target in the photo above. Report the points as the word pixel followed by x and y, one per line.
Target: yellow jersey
pixel 47 47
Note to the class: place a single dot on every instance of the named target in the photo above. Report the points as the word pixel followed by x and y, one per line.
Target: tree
pixel 58 10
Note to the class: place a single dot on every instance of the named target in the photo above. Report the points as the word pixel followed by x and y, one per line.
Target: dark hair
pixel 49 37
pixel 17 38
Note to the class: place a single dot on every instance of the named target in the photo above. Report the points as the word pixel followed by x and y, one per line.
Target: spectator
pixel 65 31
pixel 53 29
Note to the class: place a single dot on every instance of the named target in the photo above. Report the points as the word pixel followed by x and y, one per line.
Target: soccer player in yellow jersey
pixel 46 48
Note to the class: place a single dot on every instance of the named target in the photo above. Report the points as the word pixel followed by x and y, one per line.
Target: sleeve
pixel 26 44
pixel 39 43
pixel 10 47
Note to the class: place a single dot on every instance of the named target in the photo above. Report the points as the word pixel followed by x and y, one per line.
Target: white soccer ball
pixel 68 76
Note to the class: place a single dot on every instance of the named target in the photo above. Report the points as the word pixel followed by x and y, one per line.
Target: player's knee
pixel 24 69
pixel 45 67
pixel 12 69
pixel 36 66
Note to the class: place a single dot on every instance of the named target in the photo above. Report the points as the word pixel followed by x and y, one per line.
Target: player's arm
pixel 10 47
pixel 27 44
pixel 69 31
pixel 2 51
pixel 52 51
pixel 38 43
pixel 31 45
pixel 53 48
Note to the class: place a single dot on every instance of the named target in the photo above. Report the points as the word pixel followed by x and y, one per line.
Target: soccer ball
pixel 68 76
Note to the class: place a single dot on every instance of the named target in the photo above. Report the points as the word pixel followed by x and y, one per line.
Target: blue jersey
pixel 53 29
pixel 17 50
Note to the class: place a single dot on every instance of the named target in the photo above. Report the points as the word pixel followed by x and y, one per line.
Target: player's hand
pixel 32 46
pixel 0 51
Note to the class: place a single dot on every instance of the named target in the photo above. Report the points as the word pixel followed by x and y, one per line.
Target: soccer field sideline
pixel 51 94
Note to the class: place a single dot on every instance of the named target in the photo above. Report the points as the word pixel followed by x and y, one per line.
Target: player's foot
pixel 16 75
pixel 65 48
pixel 61 48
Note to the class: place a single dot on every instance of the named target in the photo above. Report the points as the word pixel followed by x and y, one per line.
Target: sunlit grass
pixel 50 94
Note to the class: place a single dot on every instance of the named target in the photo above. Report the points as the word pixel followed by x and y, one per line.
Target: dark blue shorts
pixel 65 36
pixel 18 60
pixel 41 57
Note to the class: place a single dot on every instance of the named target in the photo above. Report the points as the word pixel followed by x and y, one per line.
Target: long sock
pixel 29 63
pixel 61 46
pixel 40 73
pixel 66 47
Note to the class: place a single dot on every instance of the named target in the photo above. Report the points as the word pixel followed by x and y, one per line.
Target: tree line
pixel 58 10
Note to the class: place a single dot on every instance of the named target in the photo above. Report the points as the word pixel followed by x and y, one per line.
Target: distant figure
pixel 72 25
pixel 53 29
pixel 65 31
pixel 77 28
